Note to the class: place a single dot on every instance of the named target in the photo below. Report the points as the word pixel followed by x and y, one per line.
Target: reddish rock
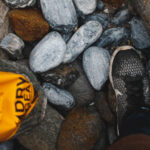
pixel 114 3
pixel 80 130
pixel 28 23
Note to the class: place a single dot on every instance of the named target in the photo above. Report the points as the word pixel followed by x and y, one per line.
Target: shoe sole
pixel 122 48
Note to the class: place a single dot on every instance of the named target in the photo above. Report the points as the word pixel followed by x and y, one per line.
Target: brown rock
pixel 4 23
pixel 28 23
pixel 142 7
pixel 114 3
pixel 103 107
pixel 80 130
pixel 62 76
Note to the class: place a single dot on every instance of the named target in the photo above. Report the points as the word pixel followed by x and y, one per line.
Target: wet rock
pixel 121 17
pixel 80 130
pixel 13 45
pixel 114 3
pixel 84 37
pixel 101 18
pixel 20 3
pixel 7 145
pixel 139 36
pixel 103 108
pixel 28 23
pixel 112 135
pixel 43 136
pixel 48 53
pixel 100 5
pixel 81 89
pixel 86 6
pixel 58 97
pixel 4 23
pixel 113 36
pixel 96 66
pixel 62 76
pixel 60 14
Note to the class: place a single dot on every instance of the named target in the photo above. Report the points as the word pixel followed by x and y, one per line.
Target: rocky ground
pixel 64 47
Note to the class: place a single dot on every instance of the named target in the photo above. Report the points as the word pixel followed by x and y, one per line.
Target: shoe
pixel 126 76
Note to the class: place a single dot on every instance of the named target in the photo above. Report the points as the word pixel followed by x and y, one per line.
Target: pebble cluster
pixel 67 44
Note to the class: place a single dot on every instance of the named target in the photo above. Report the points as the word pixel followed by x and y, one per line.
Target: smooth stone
pixel 101 18
pixel 100 5
pixel 20 3
pixel 121 17
pixel 13 45
pixel 62 76
pixel 81 129
pixel 139 36
pixel 29 23
pixel 113 36
pixel 96 66
pixel 104 109
pixel 86 7
pixel 85 36
pixel 60 14
pixel 81 89
pixel 9 145
pixel 48 53
pixel 58 97
pixel 4 22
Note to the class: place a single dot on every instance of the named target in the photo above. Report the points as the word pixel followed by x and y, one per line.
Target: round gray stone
pixel 20 3
pixel 58 97
pixel 86 6
pixel 96 66
pixel 60 14
pixel 48 53
pixel 83 38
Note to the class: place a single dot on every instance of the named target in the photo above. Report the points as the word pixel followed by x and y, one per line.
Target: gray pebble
pixel 86 7
pixel 9 145
pixel 13 45
pixel 96 66
pixel 66 36
pixel 139 36
pixel 58 96
pixel 60 14
pixel 48 53
pixel 101 18
pixel 84 37
pixel 20 3
pixel 113 36
pixel 100 5
pixel 121 17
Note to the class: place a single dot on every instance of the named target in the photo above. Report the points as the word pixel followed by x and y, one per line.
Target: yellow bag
pixel 17 99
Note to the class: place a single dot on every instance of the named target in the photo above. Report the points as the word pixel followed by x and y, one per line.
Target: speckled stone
pixel 60 14
pixel 86 6
pixel 28 23
pixel 20 3
pixel 62 76
pixel 58 97
pixel 81 130
pixel 83 37
pixel 96 66
pixel 48 53
pixel 101 18
pixel 13 45
pixel 113 36
pixel 139 35
pixel 121 17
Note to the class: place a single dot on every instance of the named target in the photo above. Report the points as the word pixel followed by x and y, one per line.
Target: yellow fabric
pixel 17 99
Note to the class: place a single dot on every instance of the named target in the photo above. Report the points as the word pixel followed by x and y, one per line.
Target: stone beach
pixel 64 47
